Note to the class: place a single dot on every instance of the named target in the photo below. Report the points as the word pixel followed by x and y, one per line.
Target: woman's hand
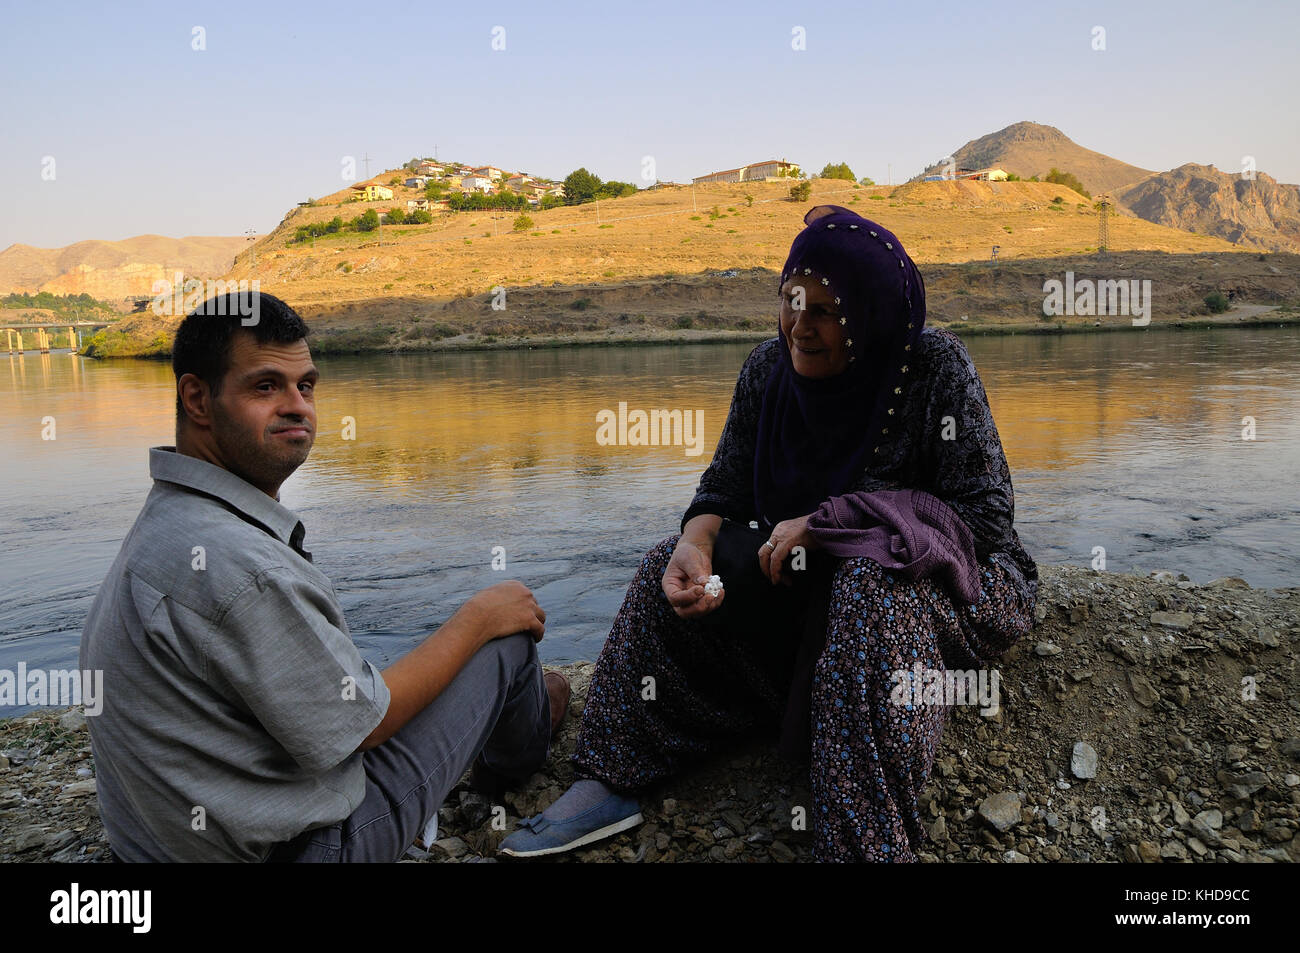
pixel 785 536
pixel 683 583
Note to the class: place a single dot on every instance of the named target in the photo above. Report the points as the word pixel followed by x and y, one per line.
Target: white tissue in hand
pixel 713 586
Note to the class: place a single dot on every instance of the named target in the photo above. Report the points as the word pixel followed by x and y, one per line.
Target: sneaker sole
pixel 610 830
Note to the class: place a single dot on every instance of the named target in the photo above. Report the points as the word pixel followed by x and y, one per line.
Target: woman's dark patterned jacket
pixel 969 472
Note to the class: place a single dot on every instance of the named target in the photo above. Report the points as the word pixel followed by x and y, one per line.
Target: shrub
pixel 837 170
pixel 685 321
pixel 1057 177
pixel 1217 302
pixel 800 192
pixel 523 223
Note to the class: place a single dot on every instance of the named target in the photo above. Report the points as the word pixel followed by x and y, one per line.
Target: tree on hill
pixel 412 165
pixel 800 192
pixel 837 170
pixel 615 190
pixel 1057 177
pixel 865 180
pixel 580 186
pixel 368 222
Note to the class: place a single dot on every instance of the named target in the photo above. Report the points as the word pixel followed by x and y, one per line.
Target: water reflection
pixel 1127 441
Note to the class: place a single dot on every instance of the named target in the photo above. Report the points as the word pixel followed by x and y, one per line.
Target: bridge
pixel 48 333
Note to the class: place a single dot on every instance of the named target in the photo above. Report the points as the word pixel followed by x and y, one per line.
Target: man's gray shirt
pixel 234 697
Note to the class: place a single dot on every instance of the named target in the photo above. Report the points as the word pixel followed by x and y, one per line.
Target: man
pixel 239 722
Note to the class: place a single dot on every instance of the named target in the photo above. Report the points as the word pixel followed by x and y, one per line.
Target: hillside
pixel 658 266
pixel 1259 212
pixel 1029 148
pixel 114 270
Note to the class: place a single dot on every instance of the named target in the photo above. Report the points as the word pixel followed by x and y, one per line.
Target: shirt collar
pixel 166 464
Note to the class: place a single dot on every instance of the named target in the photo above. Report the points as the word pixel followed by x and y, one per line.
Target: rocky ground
pixel 1143 720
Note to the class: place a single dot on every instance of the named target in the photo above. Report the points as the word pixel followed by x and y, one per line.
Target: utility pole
pixel 366 160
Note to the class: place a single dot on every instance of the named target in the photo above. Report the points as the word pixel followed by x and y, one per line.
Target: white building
pixel 771 170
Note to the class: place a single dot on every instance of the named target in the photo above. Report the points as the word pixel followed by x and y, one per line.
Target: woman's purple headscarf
pixel 816 436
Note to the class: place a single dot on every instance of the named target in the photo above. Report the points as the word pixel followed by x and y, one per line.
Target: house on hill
pixel 475 182
pixel 770 171
pixel 416 182
pixel 983 175
pixel 431 169
pixel 491 171
pixel 369 192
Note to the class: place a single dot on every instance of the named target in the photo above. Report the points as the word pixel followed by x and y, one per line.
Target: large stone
pixel 452 847
pixel 1083 761
pixel 1173 850
pixel 1173 620
pixel 1143 691
pixel 1243 784
pixel 73 720
pixel 1001 810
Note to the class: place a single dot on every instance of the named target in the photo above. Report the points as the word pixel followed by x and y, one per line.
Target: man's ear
pixel 195 398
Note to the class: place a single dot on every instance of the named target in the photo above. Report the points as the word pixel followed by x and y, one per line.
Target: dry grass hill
pixel 680 262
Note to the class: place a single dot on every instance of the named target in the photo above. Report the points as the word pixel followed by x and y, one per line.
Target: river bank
pixel 969 298
pixel 1144 719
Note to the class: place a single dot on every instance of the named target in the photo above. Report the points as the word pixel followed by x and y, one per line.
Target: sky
pixel 113 123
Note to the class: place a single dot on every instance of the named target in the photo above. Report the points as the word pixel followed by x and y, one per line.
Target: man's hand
pixel 785 536
pixel 683 583
pixel 504 609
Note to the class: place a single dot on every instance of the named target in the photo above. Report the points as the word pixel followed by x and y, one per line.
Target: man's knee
pixel 512 651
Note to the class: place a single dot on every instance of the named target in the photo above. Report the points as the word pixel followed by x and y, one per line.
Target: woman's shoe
pixel 540 835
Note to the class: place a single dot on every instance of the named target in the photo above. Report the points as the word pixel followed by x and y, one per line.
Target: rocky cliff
pixel 1259 213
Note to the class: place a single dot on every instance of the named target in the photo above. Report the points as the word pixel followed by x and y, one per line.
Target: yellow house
pixel 371 193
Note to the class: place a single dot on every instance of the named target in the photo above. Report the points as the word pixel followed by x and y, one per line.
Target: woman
pixel 863 448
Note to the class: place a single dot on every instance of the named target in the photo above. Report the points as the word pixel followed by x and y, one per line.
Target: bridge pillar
pixel 72 338
pixel 43 340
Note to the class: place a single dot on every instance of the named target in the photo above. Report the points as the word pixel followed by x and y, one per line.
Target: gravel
pixel 1190 711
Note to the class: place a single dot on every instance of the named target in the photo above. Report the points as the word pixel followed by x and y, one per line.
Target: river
pixel 1131 441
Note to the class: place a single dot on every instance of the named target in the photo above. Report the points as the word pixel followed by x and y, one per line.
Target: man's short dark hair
pixel 203 340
